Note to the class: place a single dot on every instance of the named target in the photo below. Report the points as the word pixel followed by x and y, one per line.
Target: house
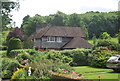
pixel 58 37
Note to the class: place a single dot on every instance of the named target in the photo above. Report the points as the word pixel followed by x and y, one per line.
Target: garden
pixel 80 63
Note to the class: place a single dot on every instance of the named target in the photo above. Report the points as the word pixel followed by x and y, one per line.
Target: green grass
pixel 93 73
pixel 112 39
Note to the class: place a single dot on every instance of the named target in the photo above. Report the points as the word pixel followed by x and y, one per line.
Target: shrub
pixel 14 53
pixel 23 58
pixel 14 43
pixel 99 57
pixel 3 47
pixel 79 56
pixel 57 56
pixel 6 74
pixel 105 35
pixel 45 66
pixel 9 65
pixel 115 47
pixel 20 74
pixel 104 43
pixel 2 54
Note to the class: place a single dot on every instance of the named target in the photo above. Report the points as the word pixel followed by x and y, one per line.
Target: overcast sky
pixel 46 7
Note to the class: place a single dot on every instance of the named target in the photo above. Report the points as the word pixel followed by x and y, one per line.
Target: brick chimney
pixel 40 26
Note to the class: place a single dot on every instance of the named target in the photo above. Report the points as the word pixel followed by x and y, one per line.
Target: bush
pixel 20 74
pixel 9 66
pixel 115 47
pixel 45 66
pixel 79 56
pixel 6 74
pixel 3 47
pixel 14 43
pixel 99 57
pixel 104 43
pixel 57 56
pixel 14 53
pixel 23 58
pixel 2 54
pixel 105 35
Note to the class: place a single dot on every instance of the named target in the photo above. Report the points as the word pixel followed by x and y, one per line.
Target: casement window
pixel 54 39
pixel 59 39
pixel 50 39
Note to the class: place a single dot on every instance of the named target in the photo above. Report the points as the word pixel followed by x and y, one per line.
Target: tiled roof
pixel 77 42
pixel 60 31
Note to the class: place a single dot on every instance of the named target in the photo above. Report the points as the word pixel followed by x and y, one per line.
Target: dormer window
pixel 59 39
pixel 54 39
pixel 50 39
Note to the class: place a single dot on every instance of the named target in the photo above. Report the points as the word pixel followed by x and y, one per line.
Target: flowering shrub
pixel 10 66
pixel 19 74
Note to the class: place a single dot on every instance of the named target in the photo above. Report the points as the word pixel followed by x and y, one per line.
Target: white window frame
pixel 50 39
pixel 59 39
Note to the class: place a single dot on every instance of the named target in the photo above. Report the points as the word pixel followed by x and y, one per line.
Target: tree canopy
pixel 6 8
pixel 91 22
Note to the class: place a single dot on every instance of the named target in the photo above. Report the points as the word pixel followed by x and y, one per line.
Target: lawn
pixel 93 73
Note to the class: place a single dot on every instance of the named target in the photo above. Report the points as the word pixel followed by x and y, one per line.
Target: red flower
pixel 79 75
pixel 98 76
pixel 64 70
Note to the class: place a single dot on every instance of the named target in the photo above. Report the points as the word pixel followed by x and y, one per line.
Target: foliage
pixel 105 35
pixel 17 33
pixel 57 56
pixel 6 74
pixel 91 22
pixel 79 56
pixel 103 53
pixel 20 74
pixel 3 36
pixel 94 39
pixel 14 43
pixel 7 7
pixel 18 51
pixel 22 56
pixel 115 47
pixel 3 54
pixel 30 24
pixel 45 67
pixel 104 43
pixel 10 65
pixel 27 43
pixel 3 47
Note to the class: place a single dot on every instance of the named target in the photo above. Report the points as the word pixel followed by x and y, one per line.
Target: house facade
pixel 58 37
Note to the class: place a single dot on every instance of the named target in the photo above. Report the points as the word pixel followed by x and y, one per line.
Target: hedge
pixel 14 53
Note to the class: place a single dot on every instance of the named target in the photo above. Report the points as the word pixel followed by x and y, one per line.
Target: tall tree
pixel 29 26
pixel 7 7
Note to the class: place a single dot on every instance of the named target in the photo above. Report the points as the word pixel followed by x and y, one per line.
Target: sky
pixel 47 7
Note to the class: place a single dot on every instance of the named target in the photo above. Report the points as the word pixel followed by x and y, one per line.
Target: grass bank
pixel 93 73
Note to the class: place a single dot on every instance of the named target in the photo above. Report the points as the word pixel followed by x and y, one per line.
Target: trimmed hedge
pixel 14 43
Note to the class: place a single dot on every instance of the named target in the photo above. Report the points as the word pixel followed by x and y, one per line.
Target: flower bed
pixel 69 77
